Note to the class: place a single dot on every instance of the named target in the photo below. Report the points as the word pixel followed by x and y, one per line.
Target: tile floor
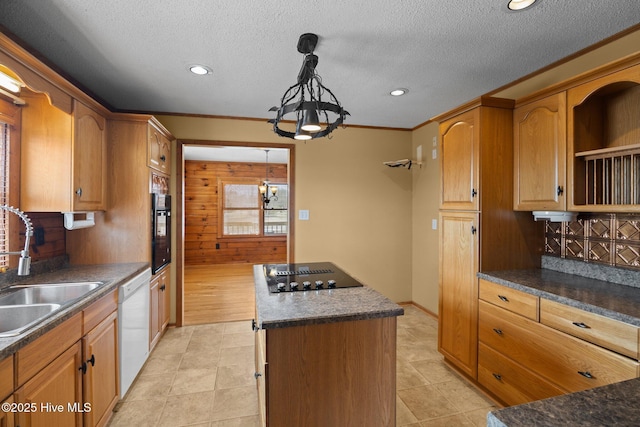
pixel 203 376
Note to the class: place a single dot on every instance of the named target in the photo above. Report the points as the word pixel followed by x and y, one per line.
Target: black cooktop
pixel 313 276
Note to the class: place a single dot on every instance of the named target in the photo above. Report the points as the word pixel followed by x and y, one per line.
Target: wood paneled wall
pixel 54 245
pixel 201 216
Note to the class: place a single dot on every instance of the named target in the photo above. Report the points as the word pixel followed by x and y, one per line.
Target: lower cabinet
pixel 522 359
pixel 159 305
pixel 7 418
pixel 69 376
pixel 331 374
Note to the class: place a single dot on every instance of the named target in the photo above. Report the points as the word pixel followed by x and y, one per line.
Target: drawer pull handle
pixel 581 325
pixel 586 374
pixel 497 331
pixel 497 376
pixel 503 298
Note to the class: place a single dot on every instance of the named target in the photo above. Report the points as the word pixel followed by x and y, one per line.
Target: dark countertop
pixel 610 405
pixel 615 404
pixel 280 310
pixel 112 275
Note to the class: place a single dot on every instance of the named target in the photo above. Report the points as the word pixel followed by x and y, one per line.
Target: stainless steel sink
pixel 14 319
pixel 48 293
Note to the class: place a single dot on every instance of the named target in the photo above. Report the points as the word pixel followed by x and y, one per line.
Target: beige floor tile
pixel 139 413
pixel 172 343
pixel 193 381
pixel 435 371
pixel 427 402
pixel 413 351
pixel 244 355
pixel 200 359
pixel 253 421
pixel 235 376
pixel 478 417
pixel 204 342
pixel 237 327
pixel 187 409
pixel 463 396
pixel 404 417
pixel 407 376
pixel 162 363
pixel 150 387
pixel 458 420
pixel 235 403
pixel 239 339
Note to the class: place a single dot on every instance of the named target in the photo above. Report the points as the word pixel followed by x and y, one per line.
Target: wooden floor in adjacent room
pixel 218 293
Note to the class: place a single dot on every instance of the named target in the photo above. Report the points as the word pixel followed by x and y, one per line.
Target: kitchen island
pixel 326 356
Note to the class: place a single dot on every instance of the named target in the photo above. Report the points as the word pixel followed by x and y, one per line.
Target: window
pixel 242 213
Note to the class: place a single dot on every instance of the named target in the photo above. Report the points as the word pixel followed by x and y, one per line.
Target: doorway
pixel 217 244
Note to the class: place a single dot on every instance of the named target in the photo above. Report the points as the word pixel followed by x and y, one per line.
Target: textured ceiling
pixel 134 54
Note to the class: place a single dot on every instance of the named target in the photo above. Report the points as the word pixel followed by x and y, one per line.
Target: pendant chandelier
pixel 268 192
pixel 309 100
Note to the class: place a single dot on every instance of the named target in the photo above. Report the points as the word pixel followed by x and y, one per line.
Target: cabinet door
pixel 540 154
pixel 459 162
pixel 164 302
pixel 154 315
pixel 7 418
pixel 458 334
pixel 89 159
pixel 100 382
pixel 56 393
pixel 159 156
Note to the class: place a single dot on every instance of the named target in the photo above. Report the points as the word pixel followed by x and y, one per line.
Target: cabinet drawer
pixel 98 311
pixel 612 334
pixel 568 362
pixel 6 377
pixel 509 381
pixel 510 299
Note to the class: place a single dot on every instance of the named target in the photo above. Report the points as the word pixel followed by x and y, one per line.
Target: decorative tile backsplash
pixel 610 239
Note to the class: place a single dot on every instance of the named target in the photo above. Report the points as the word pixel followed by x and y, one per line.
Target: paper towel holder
pixel 77 220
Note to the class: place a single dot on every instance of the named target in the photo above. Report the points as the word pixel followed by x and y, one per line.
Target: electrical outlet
pixel 434 224
pixel 303 215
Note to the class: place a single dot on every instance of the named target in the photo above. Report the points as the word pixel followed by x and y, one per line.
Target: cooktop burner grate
pixel 306 277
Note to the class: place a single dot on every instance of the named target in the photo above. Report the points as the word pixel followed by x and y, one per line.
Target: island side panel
pixel 341 373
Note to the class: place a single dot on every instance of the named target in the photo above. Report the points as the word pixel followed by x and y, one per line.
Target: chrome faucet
pixel 24 265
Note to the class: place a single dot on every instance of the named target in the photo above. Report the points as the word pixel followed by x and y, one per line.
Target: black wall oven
pixel 160 231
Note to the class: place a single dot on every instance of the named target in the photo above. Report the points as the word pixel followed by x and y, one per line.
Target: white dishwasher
pixel 133 328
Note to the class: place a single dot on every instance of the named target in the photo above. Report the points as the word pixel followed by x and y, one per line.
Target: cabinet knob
pixel 163 158
pixel 473 229
pixel 474 193
pixel 163 287
pixel 497 376
pixel 83 368
pixel 503 298
pixel 257 375
pixel 497 331
pixel 92 360
pixel 254 327
pixel 560 190
pixel 581 325
pixel 79 191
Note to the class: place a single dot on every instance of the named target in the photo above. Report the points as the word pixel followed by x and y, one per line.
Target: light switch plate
pixel 303 215
pixel 434 224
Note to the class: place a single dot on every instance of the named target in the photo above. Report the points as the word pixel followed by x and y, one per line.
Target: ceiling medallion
pixel 310 101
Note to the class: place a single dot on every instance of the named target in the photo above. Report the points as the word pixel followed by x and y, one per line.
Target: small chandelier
pixel 305 99
pixel 268 192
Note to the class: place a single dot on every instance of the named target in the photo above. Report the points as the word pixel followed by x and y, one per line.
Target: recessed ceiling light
pixel 520 4
pixel 398 92
pixel 200 70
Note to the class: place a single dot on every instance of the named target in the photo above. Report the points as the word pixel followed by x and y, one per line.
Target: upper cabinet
pixel 159 150
pixel 63 157
pixel 604 143
pixel 459 157
pixel 539 130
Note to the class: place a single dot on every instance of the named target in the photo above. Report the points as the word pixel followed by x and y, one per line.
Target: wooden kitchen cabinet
pixel 100 383
pixel 521 359
pixel 539 133
pixel 349 366
pixel 51 390
pixel 604 143
pixel 479 231
pixel 63 158
pixel 159 305
pixel 458 291
pixel 7 419
pixel 159 150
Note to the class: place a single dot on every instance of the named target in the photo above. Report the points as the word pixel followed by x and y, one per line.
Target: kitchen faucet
pixel 24 265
